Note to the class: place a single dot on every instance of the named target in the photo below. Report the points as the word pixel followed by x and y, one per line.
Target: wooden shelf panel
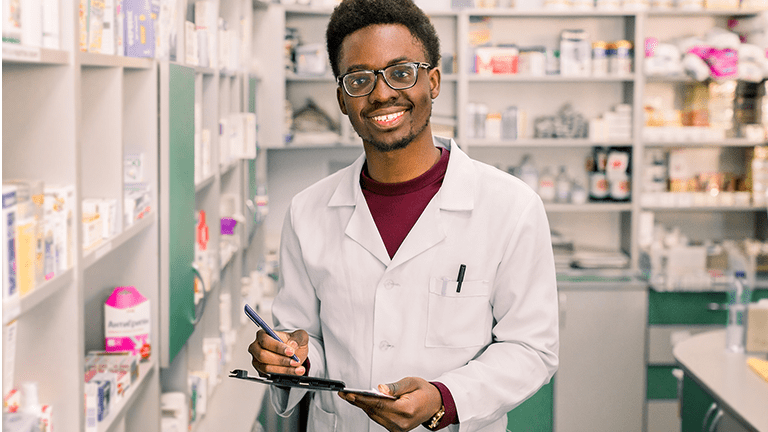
pixel 93 255
pixel 16 308
pixel 103 60
pixel 118 410
pixel 588 207
pixel 541 142
pixel 20 54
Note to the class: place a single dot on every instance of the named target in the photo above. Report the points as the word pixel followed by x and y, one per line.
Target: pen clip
pixel 460 278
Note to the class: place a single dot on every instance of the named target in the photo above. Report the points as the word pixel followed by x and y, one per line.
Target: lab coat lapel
pixel 455 194
pixel 360 227
pixel 426 233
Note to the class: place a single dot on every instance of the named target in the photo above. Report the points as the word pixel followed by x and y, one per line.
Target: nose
pixel 381 89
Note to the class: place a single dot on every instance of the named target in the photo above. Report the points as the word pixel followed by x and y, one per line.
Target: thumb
pixel 405 385
pixel 300 337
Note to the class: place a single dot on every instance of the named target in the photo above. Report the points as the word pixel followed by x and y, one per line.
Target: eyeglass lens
pixel 399 77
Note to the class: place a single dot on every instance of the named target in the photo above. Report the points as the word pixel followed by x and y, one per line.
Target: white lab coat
pixel 375 320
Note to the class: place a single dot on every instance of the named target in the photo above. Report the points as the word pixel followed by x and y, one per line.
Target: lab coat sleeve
pixel 296 307
pixel 523 355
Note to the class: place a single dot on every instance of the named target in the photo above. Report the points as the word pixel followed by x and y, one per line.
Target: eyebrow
pixel 358 67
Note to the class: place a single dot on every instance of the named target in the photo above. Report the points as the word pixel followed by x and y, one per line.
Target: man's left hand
pixel 417 401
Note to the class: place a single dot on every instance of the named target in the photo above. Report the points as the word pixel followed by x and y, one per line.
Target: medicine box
pixel 25 247
pixel 139 29
pixel 61 200
pixel 10 289
pixel 97 399
pixel 95 25
pixel 133 168
pixel 92 230
pixel 31 192
pixel 127 322
pixel 757 327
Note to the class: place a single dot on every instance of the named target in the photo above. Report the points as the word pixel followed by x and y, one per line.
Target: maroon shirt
pixel 395 208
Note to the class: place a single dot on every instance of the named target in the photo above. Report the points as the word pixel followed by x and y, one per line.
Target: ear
pixel 434 82
pixel 340 100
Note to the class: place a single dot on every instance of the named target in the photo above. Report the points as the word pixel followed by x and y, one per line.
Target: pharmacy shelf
pixel 306 10
pixel 117 410
pixel 542 142
pixel 235 404
pixel 14 53
pixel 227 169
pixel 544 13
pixel 203 184
pixel 309 78
pixel 588 207
pixel 707 209
pixel 669 79
pixel 93 255
pixel 12 309
pixel 728 142
pixel 702 13
pixel 514 78
pixel 226 257
pixel 205 70
pixel 104 60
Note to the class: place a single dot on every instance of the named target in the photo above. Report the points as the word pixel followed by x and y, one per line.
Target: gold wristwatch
pixel 436 418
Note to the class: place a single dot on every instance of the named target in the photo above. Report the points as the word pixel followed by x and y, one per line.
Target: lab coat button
pixel 389 284
pixel 384 345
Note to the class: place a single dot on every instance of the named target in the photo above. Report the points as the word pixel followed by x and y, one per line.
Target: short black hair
pixel 352 15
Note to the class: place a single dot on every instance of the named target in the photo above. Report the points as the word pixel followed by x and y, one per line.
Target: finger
pixel 301 337
pixel 399 388
pixel 273 345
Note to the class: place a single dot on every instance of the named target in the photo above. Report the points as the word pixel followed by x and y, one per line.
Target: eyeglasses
pixel 399 77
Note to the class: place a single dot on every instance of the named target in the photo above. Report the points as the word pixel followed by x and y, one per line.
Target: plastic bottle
pixel 547 190
pixel 563 186
pixel 528 173
pixel 738 299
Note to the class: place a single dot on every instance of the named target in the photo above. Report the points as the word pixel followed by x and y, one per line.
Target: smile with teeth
pixel 388 118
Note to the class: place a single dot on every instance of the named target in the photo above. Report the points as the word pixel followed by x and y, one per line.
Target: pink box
pixel 127 322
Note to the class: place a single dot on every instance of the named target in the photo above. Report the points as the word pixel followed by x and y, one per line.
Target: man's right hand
pixel 272 356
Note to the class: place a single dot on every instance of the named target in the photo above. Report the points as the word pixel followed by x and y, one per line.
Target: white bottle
pixel 528 173
pixel 735 329
pixel 547 190
pixel 563 186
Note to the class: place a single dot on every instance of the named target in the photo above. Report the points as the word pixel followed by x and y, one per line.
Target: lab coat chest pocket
pixel 458 319
pixel 321 420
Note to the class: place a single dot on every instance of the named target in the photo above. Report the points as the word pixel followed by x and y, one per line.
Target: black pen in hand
pixel 460 278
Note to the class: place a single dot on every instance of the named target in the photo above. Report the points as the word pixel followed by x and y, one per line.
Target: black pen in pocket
pixel 460 278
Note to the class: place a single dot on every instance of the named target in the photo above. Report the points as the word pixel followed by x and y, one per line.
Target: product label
pixel 10 253
pixel 127 323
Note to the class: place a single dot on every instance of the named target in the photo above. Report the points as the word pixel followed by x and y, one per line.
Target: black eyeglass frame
pixel 418 65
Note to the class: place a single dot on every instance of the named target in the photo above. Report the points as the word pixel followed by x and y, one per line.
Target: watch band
pixel 435 420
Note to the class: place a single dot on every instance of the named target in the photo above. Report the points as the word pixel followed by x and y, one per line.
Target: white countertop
pixel 726 376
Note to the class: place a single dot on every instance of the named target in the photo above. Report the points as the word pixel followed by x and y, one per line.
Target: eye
pixel 358 80
pixel 402 73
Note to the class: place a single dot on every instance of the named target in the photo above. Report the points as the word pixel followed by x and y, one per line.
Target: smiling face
pixel 388 119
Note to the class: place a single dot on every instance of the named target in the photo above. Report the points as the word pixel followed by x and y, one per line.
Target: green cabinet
pixel 177 206
pixel 535 414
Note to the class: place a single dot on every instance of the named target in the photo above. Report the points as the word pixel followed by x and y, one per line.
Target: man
pixel 415 269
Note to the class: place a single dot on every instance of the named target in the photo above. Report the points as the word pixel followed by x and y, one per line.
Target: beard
pixel 403 142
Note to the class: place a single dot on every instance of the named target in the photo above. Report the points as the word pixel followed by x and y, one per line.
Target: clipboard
pixel 306 383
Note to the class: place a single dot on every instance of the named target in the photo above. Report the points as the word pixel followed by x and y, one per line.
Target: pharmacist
pixel 416 269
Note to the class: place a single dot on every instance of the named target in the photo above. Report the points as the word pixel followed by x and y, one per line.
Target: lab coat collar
pixel 456 194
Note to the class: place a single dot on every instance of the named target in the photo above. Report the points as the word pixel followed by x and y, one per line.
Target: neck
pixel 404 164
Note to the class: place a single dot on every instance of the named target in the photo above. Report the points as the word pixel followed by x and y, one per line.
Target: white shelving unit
pixel 69 118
